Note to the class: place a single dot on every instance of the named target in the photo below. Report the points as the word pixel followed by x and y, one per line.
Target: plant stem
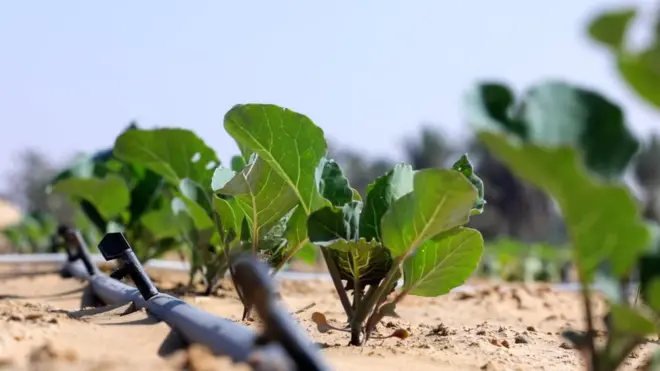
pixel 379 296
pixel 591 347
pixel 336 280
pixel 356 327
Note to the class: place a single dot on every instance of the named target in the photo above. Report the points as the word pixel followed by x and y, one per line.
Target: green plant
pixel 411 225
pixel 603 219
pixel 513 260
pixel 32 234
pixel 186 165
pixel 637 68
pixel 116 196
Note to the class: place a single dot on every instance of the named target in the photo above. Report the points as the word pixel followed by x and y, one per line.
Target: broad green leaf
pixel 610 28
pixel 144 194
pixel 652 296
pixel 443 262
pixel 230 216
pixel 296 232
pixel 464 166
pixel 161 223
pixel 603 220
pixel 555 114
pixel 640 71
pixel 488 107
pixel 333 223
pixel 307 254
pixel 272 244
pixel 198 203
pixel 175 154
pixel 440 200
pixel 380 195
pixel 200 219
pixel 626 320
pixel 332 183
pixel 287 141
pixel 263 196
pixel 361 261
pixel 109 195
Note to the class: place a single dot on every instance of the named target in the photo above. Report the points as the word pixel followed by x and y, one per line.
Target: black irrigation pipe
pixel 282 345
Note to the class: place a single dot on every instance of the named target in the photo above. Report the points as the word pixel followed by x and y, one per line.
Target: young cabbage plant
pixel 186 165
pixel 32 234
pixel 127 199
pixel 273 187
pixel 410 226
pixel 606 227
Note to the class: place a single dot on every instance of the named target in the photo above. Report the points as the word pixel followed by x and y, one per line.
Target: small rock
pixel 519 339
pixel 33 316
pixel 531 328
pixel 4 361
pixel 505 344
pixel 565 345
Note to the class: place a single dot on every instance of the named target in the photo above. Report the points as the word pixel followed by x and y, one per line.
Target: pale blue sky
pixel 74 73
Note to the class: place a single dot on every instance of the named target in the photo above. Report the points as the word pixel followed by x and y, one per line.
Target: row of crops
pixel 283 198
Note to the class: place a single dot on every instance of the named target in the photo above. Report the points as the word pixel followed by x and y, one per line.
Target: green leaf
pixel 380 195
pixel 296 232
pixel 144 194
pixel 610 28
pixel 175 154
pixel 488 106
pixel 603 220
pixel 198 203
pixel 625 320
pixel 161 223
pixel 231 217
pixel 640 72
pixel 333 223
pixel 361 261
pixel 442 263
pixel 464 167
pixel 307 254
pixel 263 196
pixel 109 196
pixel 441 200
pixel 653 295
pixel 555 114
pixel 332 183
pixel 287 141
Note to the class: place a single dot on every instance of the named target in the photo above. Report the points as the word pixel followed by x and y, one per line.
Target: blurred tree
pixel 429 149
pixel 27 187
pixel 647 173
pixel 360 170
pixel 514 208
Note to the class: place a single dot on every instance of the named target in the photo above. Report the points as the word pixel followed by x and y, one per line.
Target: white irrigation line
pixel 184 267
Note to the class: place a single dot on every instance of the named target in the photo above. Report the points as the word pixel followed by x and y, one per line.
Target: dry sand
pixel 43 328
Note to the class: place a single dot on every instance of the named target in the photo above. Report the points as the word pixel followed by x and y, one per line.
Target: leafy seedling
pixel 33 234
pixel 607 230
pixel 118 196
pixel 412 226
pixel 275 183
pixel 186 165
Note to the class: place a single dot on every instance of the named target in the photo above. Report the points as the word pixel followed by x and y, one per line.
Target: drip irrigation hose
pixel 281 347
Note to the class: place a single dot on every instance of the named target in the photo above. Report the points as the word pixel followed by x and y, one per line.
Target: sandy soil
pixel 43 328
